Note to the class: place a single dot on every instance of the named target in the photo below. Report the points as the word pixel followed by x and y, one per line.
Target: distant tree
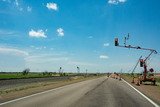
pixel 63 74
pixel 25 71
pixel 46 73
pixel 54 73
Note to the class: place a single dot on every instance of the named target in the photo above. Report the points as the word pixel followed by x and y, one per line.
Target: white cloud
pixel 106 44
pixel 6 1
pixel 60 32
pixel 6 32
pixel 103 57
pixel 39 48
pixel 90 37
pixel 38 34
pixel 20 9
pixel 51 48
pixel 77 63
pixel 115 2
pixel 122 1
pixel 32 46
pixel 52 6
pixel 112 2
pixel 29 9
pixel 13 51
pixel 44 58
pixel 16 3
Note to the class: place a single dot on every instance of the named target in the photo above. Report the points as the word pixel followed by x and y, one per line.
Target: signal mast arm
pixel 134 47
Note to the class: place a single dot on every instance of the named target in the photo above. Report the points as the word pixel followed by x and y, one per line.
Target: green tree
pixel 25 71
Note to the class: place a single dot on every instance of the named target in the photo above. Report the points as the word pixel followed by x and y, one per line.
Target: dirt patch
pixel 152 91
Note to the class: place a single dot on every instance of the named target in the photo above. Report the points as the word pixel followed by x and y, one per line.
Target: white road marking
pixel 29 96
pixel 152 102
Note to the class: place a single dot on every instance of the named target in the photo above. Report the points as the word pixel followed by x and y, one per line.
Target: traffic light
pixel 141 62
pixel 116 42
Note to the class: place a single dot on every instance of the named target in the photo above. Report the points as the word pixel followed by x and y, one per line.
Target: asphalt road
pixel 101 92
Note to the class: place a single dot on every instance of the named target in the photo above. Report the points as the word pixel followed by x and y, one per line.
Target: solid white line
pixel 151 101
pixel 29 96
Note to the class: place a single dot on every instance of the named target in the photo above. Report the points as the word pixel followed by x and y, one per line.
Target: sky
pixel 49 34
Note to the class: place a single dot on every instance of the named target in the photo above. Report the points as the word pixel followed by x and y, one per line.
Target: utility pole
pixel 78 70
pixel 60 70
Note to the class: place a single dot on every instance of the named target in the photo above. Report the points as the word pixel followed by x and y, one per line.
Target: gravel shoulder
pixel 153 92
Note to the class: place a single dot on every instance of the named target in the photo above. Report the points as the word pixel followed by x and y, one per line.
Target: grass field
pixel 18 75
pixel 14 75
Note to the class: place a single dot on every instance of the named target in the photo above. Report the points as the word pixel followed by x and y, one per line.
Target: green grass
pixel 17 75
pixel 20 75
pixel 158 79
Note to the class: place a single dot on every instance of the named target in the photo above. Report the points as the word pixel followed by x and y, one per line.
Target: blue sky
pixel 46 34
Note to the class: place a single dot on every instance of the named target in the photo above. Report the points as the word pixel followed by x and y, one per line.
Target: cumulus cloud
pixel 16 3
pixel 106 44
pixel 60 32
pixel 122 1
pixel 8 1
pixel 7 32
pixel 29 9
pixel 44 58
pixel 13 51
pixel 116 1
pixel 40 48
pixel 52 6
pixel 77 63
pixel 90 37
pixel 38 34
pixel 103 57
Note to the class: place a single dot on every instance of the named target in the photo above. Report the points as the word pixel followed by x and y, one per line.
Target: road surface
pixel 101 92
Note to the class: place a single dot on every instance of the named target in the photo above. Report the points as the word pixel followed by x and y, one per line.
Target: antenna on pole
pixel 78 70
pixel 125 39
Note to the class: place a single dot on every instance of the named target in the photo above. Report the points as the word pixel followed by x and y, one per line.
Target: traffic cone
pixel 132 80
pixel 138 81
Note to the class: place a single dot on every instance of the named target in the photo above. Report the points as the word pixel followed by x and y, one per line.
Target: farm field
pixel 19 75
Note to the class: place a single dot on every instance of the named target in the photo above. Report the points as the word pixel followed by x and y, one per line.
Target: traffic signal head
pixel 116 42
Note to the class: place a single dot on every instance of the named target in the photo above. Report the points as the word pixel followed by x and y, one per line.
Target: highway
pixel 101 92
